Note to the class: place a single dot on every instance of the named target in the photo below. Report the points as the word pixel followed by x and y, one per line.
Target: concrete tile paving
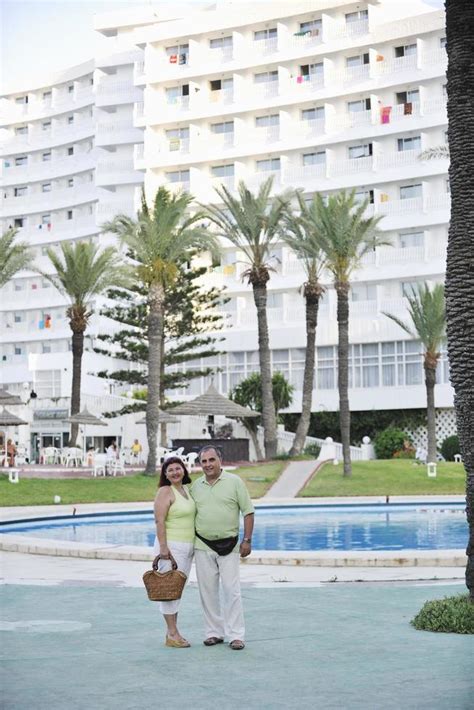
pixel 333 647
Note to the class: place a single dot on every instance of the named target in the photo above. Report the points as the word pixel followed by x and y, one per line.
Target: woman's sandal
pixel 177 643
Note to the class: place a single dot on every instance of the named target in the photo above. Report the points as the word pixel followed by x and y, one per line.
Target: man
pixel 220 497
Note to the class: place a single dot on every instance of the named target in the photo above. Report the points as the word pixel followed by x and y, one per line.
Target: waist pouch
pixel 223 547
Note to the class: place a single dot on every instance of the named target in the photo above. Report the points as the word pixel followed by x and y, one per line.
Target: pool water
pixel 348 527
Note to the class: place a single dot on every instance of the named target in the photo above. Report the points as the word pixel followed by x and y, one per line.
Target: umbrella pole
pixel 84 460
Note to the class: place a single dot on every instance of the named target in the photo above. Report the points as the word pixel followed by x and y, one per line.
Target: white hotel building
pixel 322 95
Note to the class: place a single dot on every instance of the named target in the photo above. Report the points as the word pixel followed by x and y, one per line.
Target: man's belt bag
pixel 223 547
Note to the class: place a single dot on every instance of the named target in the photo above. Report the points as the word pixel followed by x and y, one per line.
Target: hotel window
pixel 177 134
pixel 46 187
pixel 20 191
pixel 281 358
pixel 176 92
pixel 408 240
pixel 223 127
pixel 46 348
pixel 222 170
pixel 270 120
pixel 46 125
pixel 316 158
pixel 178 54
pixel 313 114
pixel 70 88
pixel 363 292
pixel 409 191
pixel 405 50
pixel 357 60
pixel 312 69
pixel 442 42
pixel 364 365
pixel 70 120
pixel 178 176
pixel 19 222
pixel 221 84
pixel 356 16
pixel 46 218
pixel 265 76
pixel 69 214
pixel 18 286
pixel 314 26
pixel 18 350
pixel 46 157
pixel 364 150
pixel 326 367
pixel 21 130
pixel 21 160
pixel 359 105
pixel 47 95
pixel 70 150
pixel 265 34
pixel 413 374
pixel 18 318
pixel 269 164
pixel 445 91
pixel 220 42
pixel 408 97
pixel 409 288
pixel 413 143
pixel 362 195
pixel 21 100
pixel 70 182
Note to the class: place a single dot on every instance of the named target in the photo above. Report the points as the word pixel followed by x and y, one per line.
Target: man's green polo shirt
pixel 218 507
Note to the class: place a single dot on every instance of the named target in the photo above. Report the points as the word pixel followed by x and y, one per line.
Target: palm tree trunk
pixel 155 332
pixel 342 290
pixel 268 405
pixel 253 432
pixel 163 427
pixel 312 306
pixel 430 381
pixel 77 352
pixel 460 266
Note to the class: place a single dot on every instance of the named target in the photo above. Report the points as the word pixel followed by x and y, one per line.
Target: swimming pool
pixel 434 526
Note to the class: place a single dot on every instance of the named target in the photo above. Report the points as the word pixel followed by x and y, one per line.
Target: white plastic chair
pixel 162 453
pixel 100 463
pixel 73 457
pixel 117 465
pixel 190 460
pixel 20 458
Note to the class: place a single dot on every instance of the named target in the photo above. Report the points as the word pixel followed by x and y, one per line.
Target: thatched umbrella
pixel 85 418
pixel 8 399
pixel 8 419
pixel 212 403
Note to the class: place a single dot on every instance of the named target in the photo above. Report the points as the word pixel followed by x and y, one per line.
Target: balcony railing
pixel 353 165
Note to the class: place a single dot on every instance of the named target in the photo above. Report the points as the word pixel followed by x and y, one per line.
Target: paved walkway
pixel 83 647
pixel 292 480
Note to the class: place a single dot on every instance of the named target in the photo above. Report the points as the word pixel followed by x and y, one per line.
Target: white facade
pixel 322 95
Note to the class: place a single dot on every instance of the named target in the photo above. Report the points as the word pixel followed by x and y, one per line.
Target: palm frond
pixel 427 311
pixel 13 256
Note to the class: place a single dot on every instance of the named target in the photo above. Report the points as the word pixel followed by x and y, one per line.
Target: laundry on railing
pixel 385 112
pixel 300 79
pixel 379 58
pixel 306 33
pixel 183 58
pixel 173 58
pixel 174 143
pixel 407 109
pixel 383 197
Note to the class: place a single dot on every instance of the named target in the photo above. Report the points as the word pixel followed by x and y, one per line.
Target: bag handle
pixel 174 564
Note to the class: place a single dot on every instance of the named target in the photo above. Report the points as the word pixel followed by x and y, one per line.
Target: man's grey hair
pixel 210 447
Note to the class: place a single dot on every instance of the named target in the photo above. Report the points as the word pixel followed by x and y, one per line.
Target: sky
pixel 39 37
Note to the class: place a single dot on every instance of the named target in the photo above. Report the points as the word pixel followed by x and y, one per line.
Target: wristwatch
pixel 247 539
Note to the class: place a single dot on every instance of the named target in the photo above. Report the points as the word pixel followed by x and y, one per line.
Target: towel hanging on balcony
pixel 385 112
pixel 183 58
pixel 173 58
pixel 379 58
pixel 407 109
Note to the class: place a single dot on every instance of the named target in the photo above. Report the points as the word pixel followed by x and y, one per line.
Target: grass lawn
pixel 380 478
pixel 37 491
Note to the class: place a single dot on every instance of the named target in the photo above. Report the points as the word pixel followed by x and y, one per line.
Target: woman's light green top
pixel 179 522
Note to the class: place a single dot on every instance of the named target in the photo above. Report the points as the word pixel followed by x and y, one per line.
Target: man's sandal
pixel 236 645
pixel 212 641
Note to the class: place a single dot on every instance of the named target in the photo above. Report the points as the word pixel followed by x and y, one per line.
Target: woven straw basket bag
pixel 164 586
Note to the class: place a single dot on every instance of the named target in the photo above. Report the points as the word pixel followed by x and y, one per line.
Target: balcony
pixel 264 47
pixel 302 175
pixel 349 30
pixel 354 75
pixel 353 165
pixel 310 129
pixel 116 172
pixel 49 169
pixel 56 199
pixel 255 180
pixel 59 229
pixel 396 65
pixel 110 93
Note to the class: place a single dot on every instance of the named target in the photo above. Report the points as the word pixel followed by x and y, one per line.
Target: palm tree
pixel 345 236
pixel 13 257
pixel 460 266
pixel 427 310
pixel 300 234
pixel 82 272
pixel 251 222
pixel 159 240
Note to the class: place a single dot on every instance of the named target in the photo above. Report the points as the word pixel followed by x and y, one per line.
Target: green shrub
pixel 449 447
pixel 312 450
pixel 390 441
pixel 450 615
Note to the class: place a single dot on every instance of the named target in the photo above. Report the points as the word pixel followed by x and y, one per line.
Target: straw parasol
pixel 8 419
pixel 163 418
pixel 212 403
pixel 8 399
pixel 85 418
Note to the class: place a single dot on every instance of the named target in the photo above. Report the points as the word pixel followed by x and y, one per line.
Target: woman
pixel 174 516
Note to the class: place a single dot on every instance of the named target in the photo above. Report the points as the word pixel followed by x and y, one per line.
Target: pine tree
pixel 190 315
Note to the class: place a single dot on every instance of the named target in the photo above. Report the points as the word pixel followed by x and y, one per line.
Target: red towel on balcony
pixel 385 112
pixel 299 79
pixel 173 58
